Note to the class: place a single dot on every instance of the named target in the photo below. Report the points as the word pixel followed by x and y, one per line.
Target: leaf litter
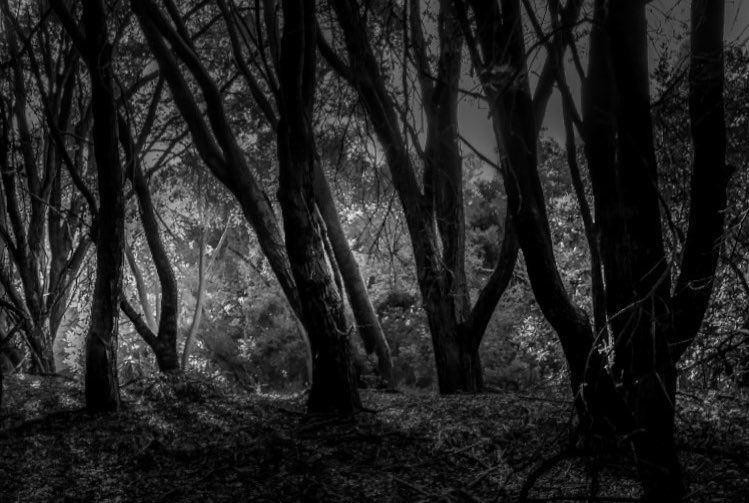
pixel 191 439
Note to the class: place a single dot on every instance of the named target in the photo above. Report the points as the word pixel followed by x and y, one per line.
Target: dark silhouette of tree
pixel 219 149
pixel 334 386
pixel 245 48
pixel 164 341
pixel 32 161
pixel 649 322
pixel 434 208
pixel 102 387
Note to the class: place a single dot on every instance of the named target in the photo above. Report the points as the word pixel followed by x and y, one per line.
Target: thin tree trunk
pixel 142 289
pixel 198 313
pixel 165 343
pixel 367 323
pixel 216 143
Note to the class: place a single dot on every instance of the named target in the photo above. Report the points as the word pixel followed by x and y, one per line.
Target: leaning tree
pixel 218 145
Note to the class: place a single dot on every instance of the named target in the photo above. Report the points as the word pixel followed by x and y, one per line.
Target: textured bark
pixel 635 265
pixel 333 382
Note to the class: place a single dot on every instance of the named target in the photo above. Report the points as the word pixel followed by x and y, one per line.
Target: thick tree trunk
pixel 367 323
pixel 710 174
pixel 652 400
pixel 334 387
pixel 102 388
pixel 457 359
pixel 635 266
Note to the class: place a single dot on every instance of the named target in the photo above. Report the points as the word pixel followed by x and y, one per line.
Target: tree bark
pixel 367 323
pixel 333 382
pixel 635 265
pixel 641 313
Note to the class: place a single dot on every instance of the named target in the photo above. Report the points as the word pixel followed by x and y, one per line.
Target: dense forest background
pixel 313 209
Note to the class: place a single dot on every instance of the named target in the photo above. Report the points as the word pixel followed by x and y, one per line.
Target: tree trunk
pixel 216 143
pixel 165 345
pixel 435 216
pixel 200 300
pixel 710 174
pixel 142 289
pixel 456 359
pixel 102 388
pixel 40 343
pixel 367 323
pixel 333 382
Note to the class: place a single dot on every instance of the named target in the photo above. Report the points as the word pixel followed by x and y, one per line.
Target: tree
pixel 102 387
pixel 164 341
pixel 649 326
pixel 434 209
pixel 243 44
pixel 36 179
pixel 334 386
pixel 220 150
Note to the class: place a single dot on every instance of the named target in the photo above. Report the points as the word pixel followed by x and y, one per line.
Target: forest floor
pixel 192 439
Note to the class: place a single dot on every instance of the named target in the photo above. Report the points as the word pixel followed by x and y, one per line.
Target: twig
pixel 482 475
pixel 544 467
pixel 411 486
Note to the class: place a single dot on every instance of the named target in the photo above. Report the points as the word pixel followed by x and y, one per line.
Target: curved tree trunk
pixel 164 344
pixel 214 139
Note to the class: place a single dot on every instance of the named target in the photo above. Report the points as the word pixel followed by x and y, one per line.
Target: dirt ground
pixel 193 439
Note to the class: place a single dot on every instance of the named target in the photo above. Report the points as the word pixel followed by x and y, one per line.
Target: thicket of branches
pixel 284 193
